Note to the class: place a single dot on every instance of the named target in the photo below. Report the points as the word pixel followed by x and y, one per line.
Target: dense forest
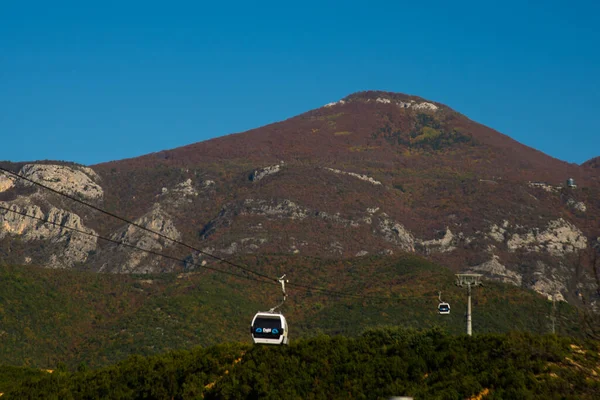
pixel 380 363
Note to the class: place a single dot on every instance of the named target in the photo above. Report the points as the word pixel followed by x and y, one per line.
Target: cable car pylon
pixel 468 280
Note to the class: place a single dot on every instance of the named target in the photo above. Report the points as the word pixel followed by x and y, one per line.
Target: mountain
pixel 375 173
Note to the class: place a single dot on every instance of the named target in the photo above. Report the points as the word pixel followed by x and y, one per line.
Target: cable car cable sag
pixel 130 245
pixel 305 288
pixel 137 225
pixel 272 280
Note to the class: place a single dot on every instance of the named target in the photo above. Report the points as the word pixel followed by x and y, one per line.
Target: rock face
pixel 6 182
pixel 544 186
pixel 498 232
pixel 355 175
pixel 396 233
pixel 285 208
pixel 423 106
pixel 266 171
pixel 185 188
pixel 495 270
pixel 182 193
pixel 139 261
pixel 445 244
pixel 559 238
pixel 549 281
pixel 577 205
pixel 75 181
pixel 70 247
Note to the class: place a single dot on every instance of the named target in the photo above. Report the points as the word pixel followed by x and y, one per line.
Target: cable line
pixel 306 288
pixel 45 221
pixel 138 225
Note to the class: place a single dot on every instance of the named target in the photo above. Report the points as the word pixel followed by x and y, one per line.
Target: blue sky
pixel 94 83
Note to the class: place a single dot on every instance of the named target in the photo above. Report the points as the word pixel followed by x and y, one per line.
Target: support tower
pixel 468 280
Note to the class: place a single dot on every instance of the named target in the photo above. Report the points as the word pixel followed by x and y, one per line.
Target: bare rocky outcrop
pixel 559 238
pixel 355 175
pixel 259 174
pixel 185 188
pixel 498 233
pixel 334 103
pixel 368 219
pixel 545 186
pixel 497 271
pixel 577 205
pixel 396 233
pixel 548 281
pixel 71 247
pixel 337 218
pixel 285 208
pixel 6 182
pixel 74 181
pixel 426 106
pixel 422 106
pixel 156 220
pixel 419 106
pixel 180 194
pixel 445 244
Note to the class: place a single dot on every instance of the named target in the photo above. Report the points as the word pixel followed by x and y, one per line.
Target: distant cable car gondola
pixel 443 307
pixel 270 327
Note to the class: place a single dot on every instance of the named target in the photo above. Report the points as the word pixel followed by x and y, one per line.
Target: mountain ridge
pixel 592 163
pixel 268 140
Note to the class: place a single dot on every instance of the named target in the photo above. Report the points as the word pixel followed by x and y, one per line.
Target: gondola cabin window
pixel 267 328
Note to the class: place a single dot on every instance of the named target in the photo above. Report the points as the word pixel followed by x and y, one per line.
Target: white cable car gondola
pixel 269 327
pixel 443 307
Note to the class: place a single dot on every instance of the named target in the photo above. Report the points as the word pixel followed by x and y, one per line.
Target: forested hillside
pixel 378 364
pixel 50 317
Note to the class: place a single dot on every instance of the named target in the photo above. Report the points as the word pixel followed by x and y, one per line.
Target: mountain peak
pixel 400 99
